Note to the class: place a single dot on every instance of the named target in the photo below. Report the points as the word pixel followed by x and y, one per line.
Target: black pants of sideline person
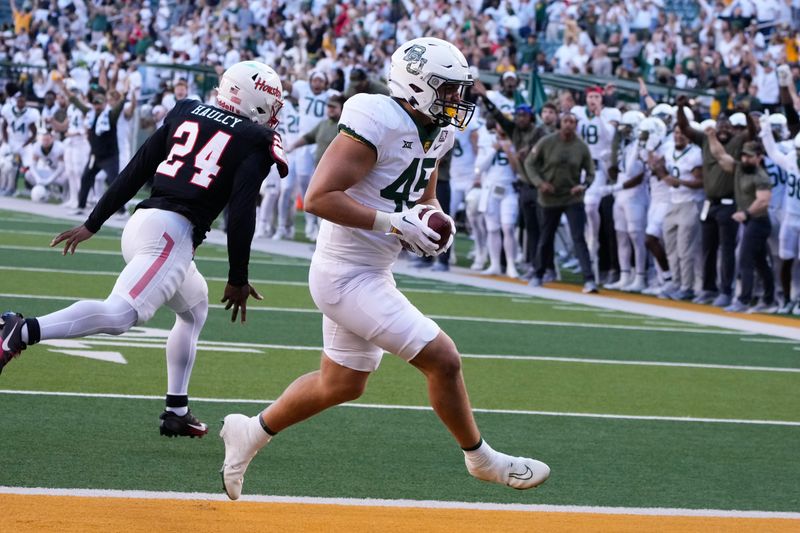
pixel 576 218
pixel 529 208
pixel 753 257
pixel 719 233
pixel 111 167
pixel 607 258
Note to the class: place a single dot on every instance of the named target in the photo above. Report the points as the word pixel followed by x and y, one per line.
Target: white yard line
pixel 440 317
pixel 375 502
pixel 249 347
pixel 196 399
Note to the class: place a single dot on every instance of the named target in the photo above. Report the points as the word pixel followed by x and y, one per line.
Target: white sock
pixel 180 411
pixel 256 431
pixel 481 456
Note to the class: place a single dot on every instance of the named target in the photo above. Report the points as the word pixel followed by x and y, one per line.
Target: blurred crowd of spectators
pixel 730 46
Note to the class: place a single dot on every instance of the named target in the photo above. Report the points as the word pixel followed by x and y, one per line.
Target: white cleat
pixel 638 285
pixel 516 472
pixel 241 445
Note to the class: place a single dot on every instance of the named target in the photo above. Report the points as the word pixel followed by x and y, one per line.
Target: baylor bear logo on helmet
pixel 414 55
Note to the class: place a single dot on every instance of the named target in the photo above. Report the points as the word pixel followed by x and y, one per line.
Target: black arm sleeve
pixel 507 125
pixel 792 118
pixel 141 168
pixel 242 215
pixel 692 134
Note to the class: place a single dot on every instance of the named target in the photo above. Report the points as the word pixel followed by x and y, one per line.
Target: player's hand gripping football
pixel 237 298
pixel 72 237
pixel 413 232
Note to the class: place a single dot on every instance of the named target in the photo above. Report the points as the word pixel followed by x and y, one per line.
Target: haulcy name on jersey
pixel 216 115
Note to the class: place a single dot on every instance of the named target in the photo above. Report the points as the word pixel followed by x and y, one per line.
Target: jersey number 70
pixel 205 161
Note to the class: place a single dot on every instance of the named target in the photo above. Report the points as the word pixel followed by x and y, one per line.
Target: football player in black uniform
pixel 201 159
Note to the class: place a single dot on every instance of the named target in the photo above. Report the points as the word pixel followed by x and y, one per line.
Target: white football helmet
pixel 252 90
pixel 738 120
pixel 666 113
pixel 652 131
pixel 630 123
pixel 424 71
pixel 39 194
pixel 779 124
pixel 708 123
pixel 611 114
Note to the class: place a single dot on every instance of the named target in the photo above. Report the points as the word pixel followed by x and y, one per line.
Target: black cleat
pixel 187 425
pixel 10 337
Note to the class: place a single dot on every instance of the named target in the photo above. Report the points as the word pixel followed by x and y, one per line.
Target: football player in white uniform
pixel 462 166
pixel 789 237
pixel 19 132
pixel 45 162
pixel 76 149
pixel 683 172
pixel 369 189
pixel 630 207
pixel 276 215
pixel 501 205
pixel 653 145
pixel 312 99
pixel 597 133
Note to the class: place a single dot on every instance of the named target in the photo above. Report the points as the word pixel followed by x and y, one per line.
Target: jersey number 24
pixel 205 161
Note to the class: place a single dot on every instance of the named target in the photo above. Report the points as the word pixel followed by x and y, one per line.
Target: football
pixel 439 222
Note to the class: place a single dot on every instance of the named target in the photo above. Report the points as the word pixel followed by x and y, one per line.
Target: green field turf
pixel 390 445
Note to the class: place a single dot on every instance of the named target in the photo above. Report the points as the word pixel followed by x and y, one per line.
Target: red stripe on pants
pixel 154 268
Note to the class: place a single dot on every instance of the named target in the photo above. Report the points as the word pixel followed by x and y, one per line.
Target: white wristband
pixel 383 222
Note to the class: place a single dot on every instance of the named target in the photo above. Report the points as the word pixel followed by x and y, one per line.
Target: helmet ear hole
pixel 416 88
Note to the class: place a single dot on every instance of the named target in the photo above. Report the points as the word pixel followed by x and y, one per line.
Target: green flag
pixel 536 91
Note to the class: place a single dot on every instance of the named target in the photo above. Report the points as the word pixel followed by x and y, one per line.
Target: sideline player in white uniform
pixel 20 133
pixel 789 237
pixel 276 215
pixel 630 207
pixel 653 145
pixel 45 165
pixel 462 166
pixel 369 189
pixel 684 174
pixel 76 149
pixel 597 133
pixel 312 99
pixel 501 203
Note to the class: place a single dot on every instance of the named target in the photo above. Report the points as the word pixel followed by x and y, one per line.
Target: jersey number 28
pixel 205 161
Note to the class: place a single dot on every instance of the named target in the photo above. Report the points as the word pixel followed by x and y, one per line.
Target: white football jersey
pixel 76 123
pixel 44 166
pixel 396 182
pixel 495 166
pixel 778 176
pixel 597 134
pixel 462 165
pixel 680 164
pixel 312 107
pixel 18 125
pixel 289 125
pixel 630 166
pixel 659 191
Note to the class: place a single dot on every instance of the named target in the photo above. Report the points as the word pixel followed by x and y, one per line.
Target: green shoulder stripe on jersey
pixel 352 134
